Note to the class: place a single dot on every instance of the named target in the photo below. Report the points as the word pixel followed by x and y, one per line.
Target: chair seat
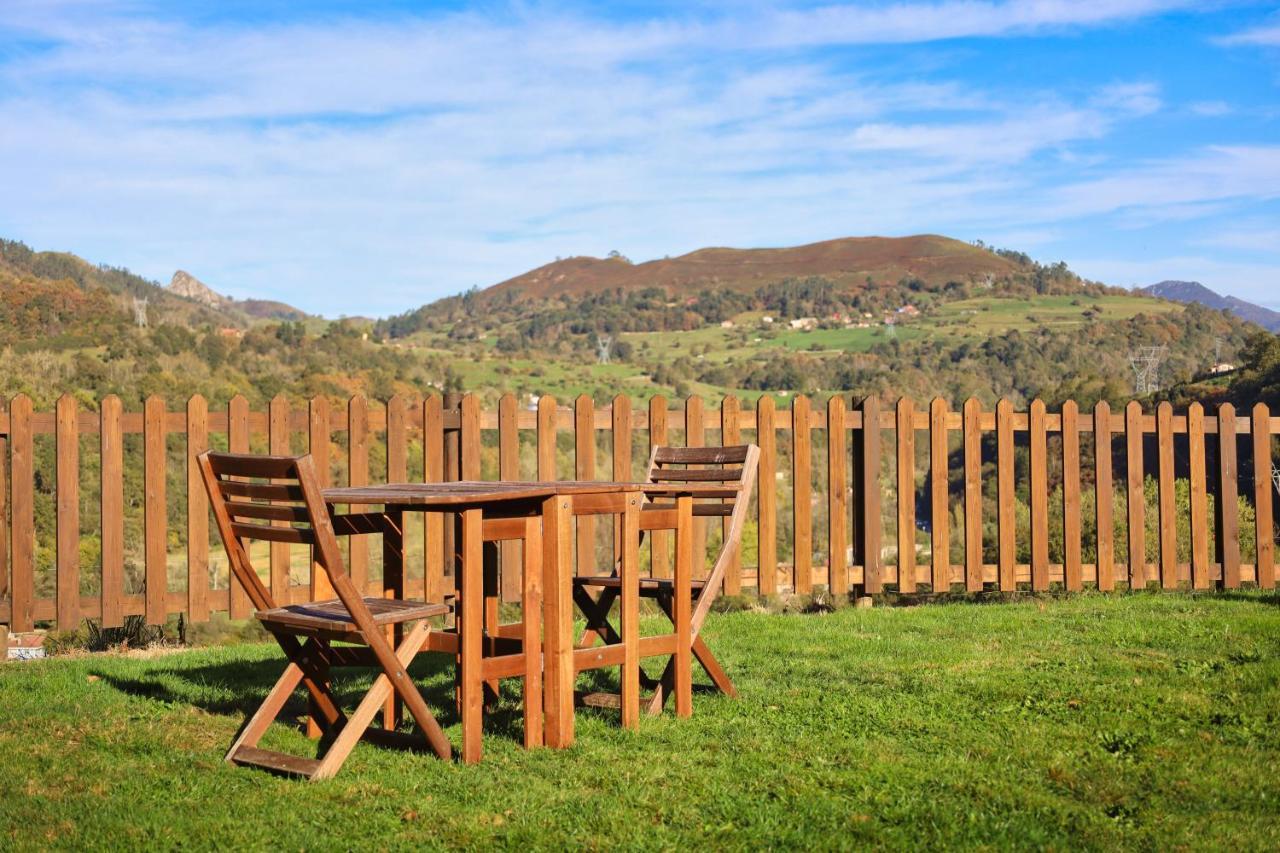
pixel 332 615
pixel 648 586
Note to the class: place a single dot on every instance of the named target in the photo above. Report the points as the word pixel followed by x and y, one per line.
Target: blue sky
pixel 366 158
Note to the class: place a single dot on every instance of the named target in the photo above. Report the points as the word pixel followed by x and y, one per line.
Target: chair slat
pixel 695 475
pixel 269 512
pixel 700 455
pixel 260 491
pixel 704 509
pixel 293 535
pixel 253 465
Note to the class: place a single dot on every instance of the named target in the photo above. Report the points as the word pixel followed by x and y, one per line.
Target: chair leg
pixel 597 612
pixel 267 712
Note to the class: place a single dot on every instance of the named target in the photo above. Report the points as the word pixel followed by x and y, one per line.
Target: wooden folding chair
pixel 735 466
pixel 277 498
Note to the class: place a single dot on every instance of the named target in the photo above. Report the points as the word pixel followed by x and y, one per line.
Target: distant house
pixel 1220 369
pixel 807 324
pixel 726 324
pixel 766 320
pixel 231 333
pixel 909 311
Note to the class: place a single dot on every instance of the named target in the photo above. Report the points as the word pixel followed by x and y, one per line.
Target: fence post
pixel 767 498
pixel 318 447
pixel 509 469
pixel 68 512
pixel 1227 507
pixel 1006 521
pixel 659 540
pixel 837 499
pixel 730 435
pixel 802 496
pixel 1103 496
pixel 452 473
pixel 620 451
pixel 1135 497
pixel 695 436
pixel 584 468
pixel 238 442
pixel 1199 497
pixel 1039 496
pixel 939 494
pixel 1071 569
pixel 358 475
pixel 1264 536
pixel 197 512
pixel 433 535
pixel 972 495
pixel 906 429
pixel 869 489
pixel 22 472
pixel 155 515
pixel 278 442
pixel 1168 505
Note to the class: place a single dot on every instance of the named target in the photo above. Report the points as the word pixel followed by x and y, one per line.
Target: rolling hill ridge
pixel 1194 291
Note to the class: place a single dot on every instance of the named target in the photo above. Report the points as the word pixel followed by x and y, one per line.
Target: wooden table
pixel 541 515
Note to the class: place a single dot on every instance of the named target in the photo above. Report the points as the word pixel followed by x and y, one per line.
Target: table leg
pixel 684 636
pixel 470 632
pixel 557 611
pixel 531 630
pixel 629 543
pixel 393 587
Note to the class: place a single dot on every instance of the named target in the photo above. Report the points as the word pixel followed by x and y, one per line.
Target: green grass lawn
pixel 1134 721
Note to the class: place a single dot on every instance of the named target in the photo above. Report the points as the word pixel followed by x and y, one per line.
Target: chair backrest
pixel 732 466
pixel 271 498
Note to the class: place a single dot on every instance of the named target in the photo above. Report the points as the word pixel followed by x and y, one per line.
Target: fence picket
pixel 837 499
pixel 869 492
pixel 318 447
pixel 1039 476
pixel 433 523
pixel 1227 508
pixel 1168 506
pixel 111 449
pixel 1199 497
pixel 906 436
pixel 584 468
pixel 278 443
pixel 1071 569
pixel 1264 525
pixel 659 540
pixel 939 498
pixel 155 511
pixel 767 498
pixel 972 421
pixel 197 512
pixel 509 469
pixel 730 435
pixel 695 435
pixel 22 474
pixel 1005 498
pixel 1103 496
pixel 802 496
pixel 358 475
pixel 67 504
pixel 1135 499
pixel 238 442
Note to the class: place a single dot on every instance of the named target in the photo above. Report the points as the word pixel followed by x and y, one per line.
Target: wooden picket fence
pixel 847 465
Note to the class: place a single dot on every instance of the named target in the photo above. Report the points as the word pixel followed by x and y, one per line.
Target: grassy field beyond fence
pixel 1133 721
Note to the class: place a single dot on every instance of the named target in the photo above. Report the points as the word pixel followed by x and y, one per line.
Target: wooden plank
pixel 972 495
pixel 731 436
pixel 318 418
pixel 4 516
pixel 547 438
pixel 469 437
pixel 620 454
pixel 1103 496
pixel 1198 465
pixel 1227 506
pixel 767 497
pixel 509 469
pixel 238 442
pixel 67 508
pixel 557 619
pixel 471 580
pixel 1264 528
pixel 197 512
pixel 584 468
pixel 1039 474
pixel 802 494
pixel 695 435
pixel 433 472
pixel 681 607
pixel 906 496
pixel 629 569
pixel 1167 498
pixel 278 442
pixel 22 501
pixel 837 499
pixel 1006 520
pixel 1134 496
pixel 452 472
pixel 111 485
pixel 358 475
pixel 397 439
pixel 939 498
pixel 1073 577
pixel 869 491
pixel 155 515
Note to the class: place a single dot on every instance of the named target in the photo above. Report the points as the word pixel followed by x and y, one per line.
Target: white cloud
pixel 1265 36
pixel 1211 109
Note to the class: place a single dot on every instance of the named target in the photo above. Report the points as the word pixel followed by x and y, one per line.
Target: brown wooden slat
pixel 1198 465
pixel 267 512
pixel 767 498
pixel 1227 507
pixel 111 486
pixel 452 472
pixel 275 535
pixel 972 495
pixel 802 494
pixel 939 510
pixel 4 518
pixel 278 438
pixel 238 442
pixel 1005 496
pixel 433 472
pixel 1168 506
pixel 547 429
pixel 318 419
pixel 695 436
pixel 584 467
pixel 837 498
pixel 1264 529
pixel 1039 474
pixel 869 492
pixel 276 761
pixel 22 472
pixel 358 475
pixel 259 491
pixel 694 475
pixel 906 496
pixel 68 514
pixel 699 454
pixel 1103 496
pixel 509 469
pixel 197 512
pixel 155 515
pixel 469 429
pixel 1072 576
pixel 731 436
pixel 1135 500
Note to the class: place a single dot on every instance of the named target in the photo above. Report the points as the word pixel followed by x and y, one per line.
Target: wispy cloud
pixel 1264 36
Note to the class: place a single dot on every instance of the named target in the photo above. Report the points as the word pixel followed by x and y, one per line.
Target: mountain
pixel 1194 291
pixel 186 285
pixel 930 258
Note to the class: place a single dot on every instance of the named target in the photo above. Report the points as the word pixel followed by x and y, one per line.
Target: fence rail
pixel 877 495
